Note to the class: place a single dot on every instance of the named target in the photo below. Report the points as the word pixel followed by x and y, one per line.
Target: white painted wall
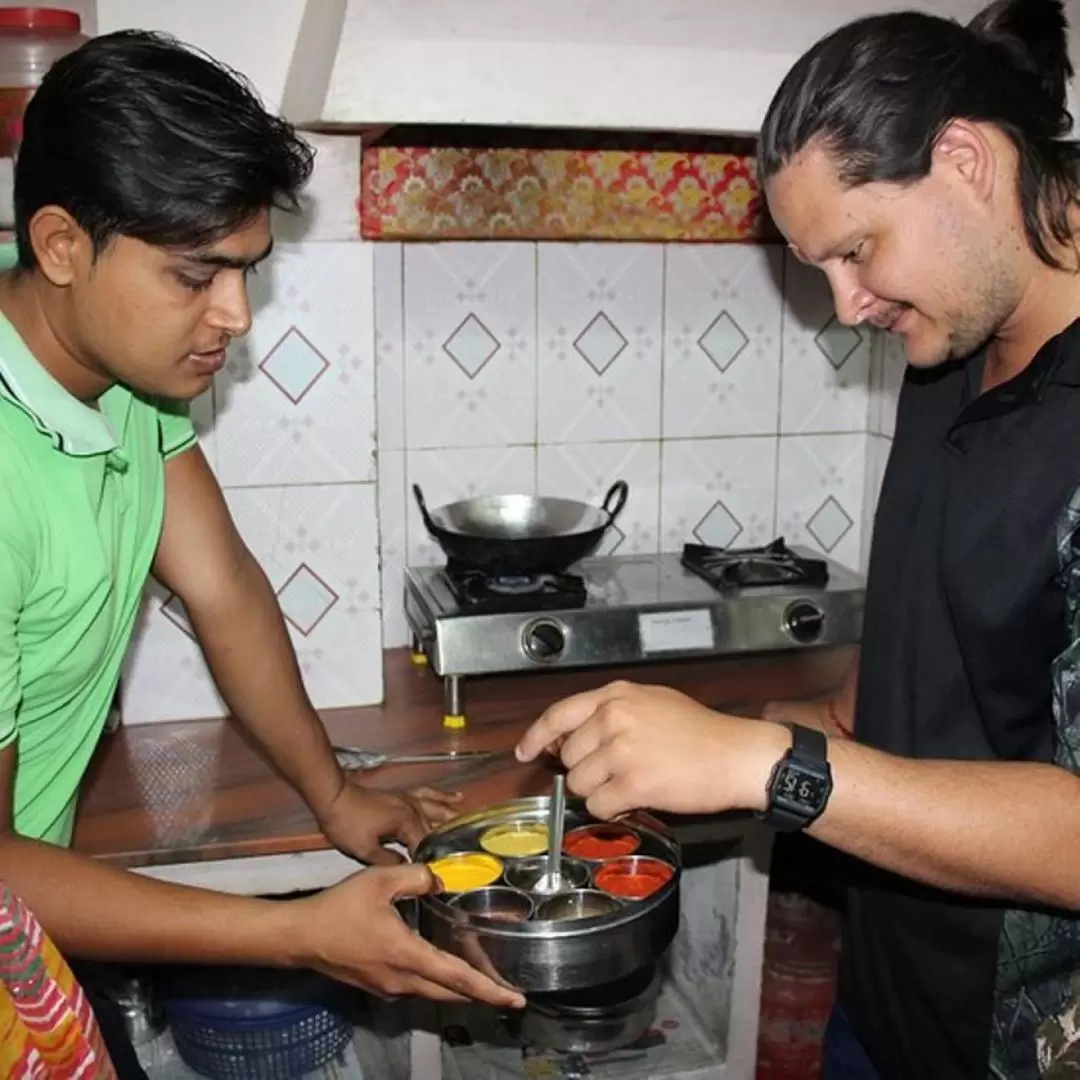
pixel 690 65
pixel 712 65
pixel 257 37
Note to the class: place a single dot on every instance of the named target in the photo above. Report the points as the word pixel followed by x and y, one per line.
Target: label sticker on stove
pixel 676 631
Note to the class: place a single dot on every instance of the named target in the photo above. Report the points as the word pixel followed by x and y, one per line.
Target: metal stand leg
pixel 454 701
pixel 416 652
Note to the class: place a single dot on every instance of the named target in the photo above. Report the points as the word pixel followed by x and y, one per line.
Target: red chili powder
pixel 601 842
pixel 634 882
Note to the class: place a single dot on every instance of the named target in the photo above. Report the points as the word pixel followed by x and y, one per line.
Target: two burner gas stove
pixel 628 609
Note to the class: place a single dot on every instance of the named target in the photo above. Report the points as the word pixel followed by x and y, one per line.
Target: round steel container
pixel 597 1020
pixel 550 956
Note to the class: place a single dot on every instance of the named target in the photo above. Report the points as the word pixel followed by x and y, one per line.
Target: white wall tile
pixel 446 476
pixel 393 545
pixel 165 676
pixel 820 493
pixel 718 492
pixel 470 344
pixel 295 403
pixel 329 204
pixel 600 341
pixel 318 546
pixel 825 371
pixel 390 346
pixel 722 339
pixel 586 471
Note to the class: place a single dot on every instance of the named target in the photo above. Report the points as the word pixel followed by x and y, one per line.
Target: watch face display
pixel 794 786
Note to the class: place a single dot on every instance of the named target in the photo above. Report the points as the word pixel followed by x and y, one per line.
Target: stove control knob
pixel 804 621
pixel 544 641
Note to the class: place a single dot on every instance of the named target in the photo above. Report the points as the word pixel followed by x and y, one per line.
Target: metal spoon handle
pixel 556 824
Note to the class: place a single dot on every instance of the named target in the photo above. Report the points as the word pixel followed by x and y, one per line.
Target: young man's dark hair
pixel 877 93
pixel 137 135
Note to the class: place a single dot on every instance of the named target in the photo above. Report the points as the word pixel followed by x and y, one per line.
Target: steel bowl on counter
pixel 586 938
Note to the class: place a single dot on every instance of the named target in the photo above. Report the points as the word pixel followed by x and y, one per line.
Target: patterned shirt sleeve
pixel 1058 1037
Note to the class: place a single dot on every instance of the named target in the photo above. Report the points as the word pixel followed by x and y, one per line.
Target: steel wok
pixel 520 534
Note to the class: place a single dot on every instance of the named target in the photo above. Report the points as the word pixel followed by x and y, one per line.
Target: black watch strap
pixel 810 752
pixel 809 746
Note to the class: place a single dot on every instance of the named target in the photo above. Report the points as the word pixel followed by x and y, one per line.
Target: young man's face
pixel 159 319
pixel 919 260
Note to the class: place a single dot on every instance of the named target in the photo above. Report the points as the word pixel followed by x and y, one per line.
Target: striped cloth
pixel 47 1029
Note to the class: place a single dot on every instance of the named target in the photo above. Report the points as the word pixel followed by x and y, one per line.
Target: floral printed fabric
pixel 540 193
pixel 47 1029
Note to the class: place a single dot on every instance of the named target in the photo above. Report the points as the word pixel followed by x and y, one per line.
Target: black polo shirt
pixel 969 606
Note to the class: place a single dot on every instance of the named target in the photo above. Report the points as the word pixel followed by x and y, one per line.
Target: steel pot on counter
pixel 520 534
pixel 589 939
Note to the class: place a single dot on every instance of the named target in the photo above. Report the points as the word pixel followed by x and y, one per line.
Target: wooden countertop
pixel 182 792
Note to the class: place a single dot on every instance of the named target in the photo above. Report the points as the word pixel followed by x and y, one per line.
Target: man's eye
pixel 855 256
pixel 195 284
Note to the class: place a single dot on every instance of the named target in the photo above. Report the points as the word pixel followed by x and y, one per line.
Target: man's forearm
pixel 96 912
pixel 1003 829
pixel 247 647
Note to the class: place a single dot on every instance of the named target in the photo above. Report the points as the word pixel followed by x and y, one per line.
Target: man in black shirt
pixel 922 166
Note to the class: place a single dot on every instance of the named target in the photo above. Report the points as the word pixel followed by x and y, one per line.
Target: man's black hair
pixel 137 135
pixel 878 92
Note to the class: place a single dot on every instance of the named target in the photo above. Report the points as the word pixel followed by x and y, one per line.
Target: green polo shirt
pixel 82 494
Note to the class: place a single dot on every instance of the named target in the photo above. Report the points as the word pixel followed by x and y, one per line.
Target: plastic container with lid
pixel 31 40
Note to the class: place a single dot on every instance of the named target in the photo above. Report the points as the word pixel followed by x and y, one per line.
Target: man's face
pixel 160 319
pixel 915 260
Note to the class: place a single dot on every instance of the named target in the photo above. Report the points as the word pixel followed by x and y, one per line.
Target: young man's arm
pixel 92 911
pixel 352 932
pixel 236 617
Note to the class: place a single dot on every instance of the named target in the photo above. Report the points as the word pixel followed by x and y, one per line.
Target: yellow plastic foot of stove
pixel 418 659
pixel 454 722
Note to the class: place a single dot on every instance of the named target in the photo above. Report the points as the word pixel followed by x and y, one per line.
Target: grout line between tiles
pixel 663 392
pixel 404 398
pixel 304 484
pixel 536 367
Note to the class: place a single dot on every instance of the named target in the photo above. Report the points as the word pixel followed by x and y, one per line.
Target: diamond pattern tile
pixel 294 365
pixel 600 343
pixel 723 341
pixel 471 346
pixel 173 610
pixel 305 599
pixel 829 524
pixel 719 527
pixel 837 342
pixel 614 538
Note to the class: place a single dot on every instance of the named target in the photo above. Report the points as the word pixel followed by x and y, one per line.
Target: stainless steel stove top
pixel 633 609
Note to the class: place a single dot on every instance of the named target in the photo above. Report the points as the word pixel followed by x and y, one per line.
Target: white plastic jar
pixel 31 40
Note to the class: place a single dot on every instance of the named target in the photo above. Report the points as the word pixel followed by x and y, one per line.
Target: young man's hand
pixel 360 820
pixel 354 933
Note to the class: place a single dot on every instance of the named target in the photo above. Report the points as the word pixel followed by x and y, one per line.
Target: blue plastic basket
pixel 278 1047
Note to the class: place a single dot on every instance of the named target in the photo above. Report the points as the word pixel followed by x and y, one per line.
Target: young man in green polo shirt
pixel 143 191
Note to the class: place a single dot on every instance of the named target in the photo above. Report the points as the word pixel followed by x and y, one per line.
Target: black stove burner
pixel 747 568
pixel 516 585
pixel 480 593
